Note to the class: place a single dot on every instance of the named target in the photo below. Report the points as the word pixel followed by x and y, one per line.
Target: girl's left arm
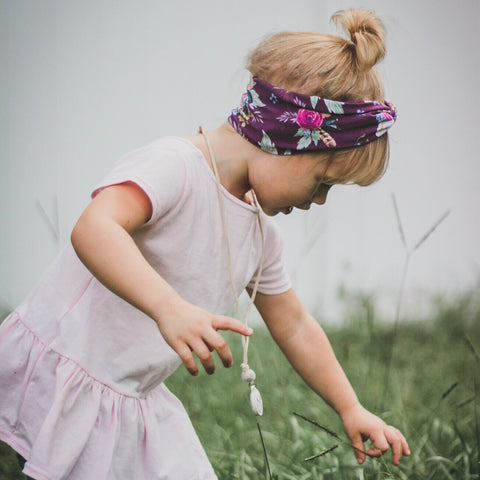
pixel 307 348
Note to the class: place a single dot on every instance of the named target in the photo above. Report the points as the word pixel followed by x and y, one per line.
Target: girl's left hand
pixel 360 425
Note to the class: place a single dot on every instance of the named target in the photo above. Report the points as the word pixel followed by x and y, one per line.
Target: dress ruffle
pixel 56 416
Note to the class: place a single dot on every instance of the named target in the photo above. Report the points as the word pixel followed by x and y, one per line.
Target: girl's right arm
pixel 102 240
pixel 308 349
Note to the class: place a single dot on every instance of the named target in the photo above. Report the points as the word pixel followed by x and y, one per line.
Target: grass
pixel 431 395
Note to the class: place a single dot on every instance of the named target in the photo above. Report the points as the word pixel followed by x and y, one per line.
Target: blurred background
pixel 81 83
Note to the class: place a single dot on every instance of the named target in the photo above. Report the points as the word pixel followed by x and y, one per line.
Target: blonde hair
pixel 336 68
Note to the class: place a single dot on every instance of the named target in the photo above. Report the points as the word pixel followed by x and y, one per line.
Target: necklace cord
pixel 245 340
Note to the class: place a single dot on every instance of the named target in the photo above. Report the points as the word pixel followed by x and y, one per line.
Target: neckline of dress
pixel 251 207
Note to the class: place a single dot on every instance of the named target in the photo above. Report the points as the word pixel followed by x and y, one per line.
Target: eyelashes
pixel 324 187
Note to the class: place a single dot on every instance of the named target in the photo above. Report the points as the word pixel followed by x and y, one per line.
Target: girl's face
pixel 282 183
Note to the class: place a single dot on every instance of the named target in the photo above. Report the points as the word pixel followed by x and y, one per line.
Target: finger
pixel 186 356
pixel 374 452
pixel 406 448
pixel 221 322
pixel 203 353
pixel 397 449
pixel 398 443
pixel 216 342
pixel 358 448
pixel 380 442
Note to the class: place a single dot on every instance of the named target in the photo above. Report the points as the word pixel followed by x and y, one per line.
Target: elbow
pixel 288 332
pixel 80 235
pixel 76 235
pixel 305 328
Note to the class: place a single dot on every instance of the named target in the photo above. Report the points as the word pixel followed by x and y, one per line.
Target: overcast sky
pixel 82 82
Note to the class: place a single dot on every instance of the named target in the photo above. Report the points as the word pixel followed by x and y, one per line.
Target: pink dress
pixel 82 371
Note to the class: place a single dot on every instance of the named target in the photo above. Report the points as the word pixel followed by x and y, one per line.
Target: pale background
pixel 82 82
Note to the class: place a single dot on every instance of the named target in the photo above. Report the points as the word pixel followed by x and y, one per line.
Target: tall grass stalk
pixel 267 464
pixel 409 251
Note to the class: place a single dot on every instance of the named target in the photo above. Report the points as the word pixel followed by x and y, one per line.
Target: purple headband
pixel 284 123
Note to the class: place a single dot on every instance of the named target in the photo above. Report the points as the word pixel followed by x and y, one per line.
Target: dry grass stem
pixel 472 349
pixel 330 432
pixel 264 451
pixel 449 390
pixel 399 222
pixel 431 230
pixel 321 454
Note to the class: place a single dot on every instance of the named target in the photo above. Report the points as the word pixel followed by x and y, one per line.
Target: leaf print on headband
pixel 333 106
pixel 290 117
pixel 299 102
pixel 254 99
pixel 309 136
pixel 267 145
pixel 305 138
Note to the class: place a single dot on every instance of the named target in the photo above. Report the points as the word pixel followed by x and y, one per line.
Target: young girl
pixel 146 283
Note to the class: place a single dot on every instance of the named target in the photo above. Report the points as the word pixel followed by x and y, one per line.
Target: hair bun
pixel 367 35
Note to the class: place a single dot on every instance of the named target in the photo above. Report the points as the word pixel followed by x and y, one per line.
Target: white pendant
pixel 256 401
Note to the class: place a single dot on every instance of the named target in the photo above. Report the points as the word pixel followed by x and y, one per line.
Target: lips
pixel 304 206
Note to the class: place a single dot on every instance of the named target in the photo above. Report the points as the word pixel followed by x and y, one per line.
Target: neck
pixel 232 153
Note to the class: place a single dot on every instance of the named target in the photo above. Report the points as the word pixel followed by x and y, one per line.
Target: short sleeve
pixel 274 278
pixel 158 169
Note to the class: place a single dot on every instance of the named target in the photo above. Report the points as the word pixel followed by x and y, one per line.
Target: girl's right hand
pixel 361 425
pixel 190 329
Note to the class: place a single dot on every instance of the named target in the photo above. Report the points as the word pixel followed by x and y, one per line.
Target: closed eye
pixel 323 188
pixel 320 194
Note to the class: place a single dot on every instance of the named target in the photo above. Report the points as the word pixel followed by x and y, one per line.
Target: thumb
pixel 221 322
pixel 358 447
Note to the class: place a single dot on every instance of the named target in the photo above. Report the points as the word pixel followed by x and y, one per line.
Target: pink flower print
pixel 384 117
pixel 385 121
pixel 309 119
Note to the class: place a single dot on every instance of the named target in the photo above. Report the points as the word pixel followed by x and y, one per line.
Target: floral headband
pixel 285 123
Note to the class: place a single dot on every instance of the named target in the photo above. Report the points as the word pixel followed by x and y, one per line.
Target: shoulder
pixel 166 152
pixel 163 169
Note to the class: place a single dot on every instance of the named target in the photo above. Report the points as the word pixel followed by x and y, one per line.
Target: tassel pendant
pixel 256 401
pixel 248 376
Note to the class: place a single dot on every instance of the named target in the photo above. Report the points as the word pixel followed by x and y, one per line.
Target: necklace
pixel 248 375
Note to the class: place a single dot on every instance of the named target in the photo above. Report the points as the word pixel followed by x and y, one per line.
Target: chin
pixel 270 213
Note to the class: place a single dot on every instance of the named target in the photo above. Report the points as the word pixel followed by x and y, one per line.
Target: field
pixel 421 376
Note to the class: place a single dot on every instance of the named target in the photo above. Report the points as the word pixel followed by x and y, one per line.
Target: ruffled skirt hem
pixel 67 424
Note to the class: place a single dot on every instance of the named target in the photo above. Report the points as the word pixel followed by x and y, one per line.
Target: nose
pixel 321 196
